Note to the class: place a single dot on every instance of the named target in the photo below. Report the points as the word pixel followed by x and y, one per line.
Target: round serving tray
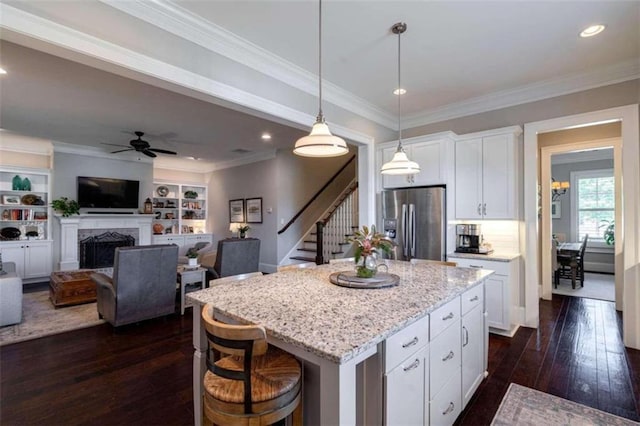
pixel 351 280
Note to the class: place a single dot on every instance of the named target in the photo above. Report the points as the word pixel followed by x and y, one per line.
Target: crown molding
pixel 14 142
pixel 612 74
pixel 173 18
pixel 184 165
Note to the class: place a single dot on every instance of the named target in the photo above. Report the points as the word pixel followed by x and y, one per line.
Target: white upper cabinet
pixel 486 175
pixel 430 152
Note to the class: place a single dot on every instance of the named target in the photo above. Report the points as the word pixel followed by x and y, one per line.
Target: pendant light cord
pixel 399 96
pixel 320 117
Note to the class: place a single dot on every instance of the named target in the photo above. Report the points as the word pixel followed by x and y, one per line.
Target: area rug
pixel 596 286
pixel 524 406
pixel 40 318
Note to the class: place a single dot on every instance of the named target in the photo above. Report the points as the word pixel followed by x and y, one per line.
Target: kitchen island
pixel 334 329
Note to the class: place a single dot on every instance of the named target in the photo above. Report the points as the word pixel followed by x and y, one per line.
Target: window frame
pixel 575 176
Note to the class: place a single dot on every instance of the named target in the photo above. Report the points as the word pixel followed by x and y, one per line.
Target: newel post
pixel 319 242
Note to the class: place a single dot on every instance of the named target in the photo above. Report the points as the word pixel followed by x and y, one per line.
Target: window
pixel 593 202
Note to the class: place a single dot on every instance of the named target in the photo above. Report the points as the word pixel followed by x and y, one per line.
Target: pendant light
pixel 400 163
pixel 320 142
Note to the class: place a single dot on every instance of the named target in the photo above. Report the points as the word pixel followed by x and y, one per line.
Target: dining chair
pixel 555 265
pixel 432 262
pixel 580 259
pixel 294 266
pixel 248 381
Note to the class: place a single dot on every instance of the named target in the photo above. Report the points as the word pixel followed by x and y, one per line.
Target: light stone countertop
pixel 495 256
pixel 303 308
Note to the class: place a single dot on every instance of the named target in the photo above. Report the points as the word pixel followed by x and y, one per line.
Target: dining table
pixel 570 251
pixel 337 332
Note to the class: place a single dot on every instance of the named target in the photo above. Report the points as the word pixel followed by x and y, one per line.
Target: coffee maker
pixel 469 239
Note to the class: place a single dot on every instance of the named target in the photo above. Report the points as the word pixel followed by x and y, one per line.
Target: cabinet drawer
pixel 405 393
pixel 472 298
pixel 405 342
pixel 443 317
pixel 446 406
pixel 445 357
pixel 500 268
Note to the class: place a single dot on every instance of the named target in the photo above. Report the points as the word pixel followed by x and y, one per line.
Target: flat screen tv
pixel 110 193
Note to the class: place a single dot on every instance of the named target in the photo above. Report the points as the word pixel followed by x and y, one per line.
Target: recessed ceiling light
pixel 266 137
pixel 399 91
pixel 592 30
pixel 3 71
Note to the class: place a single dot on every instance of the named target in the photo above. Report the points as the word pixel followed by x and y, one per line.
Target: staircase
pixel 332 231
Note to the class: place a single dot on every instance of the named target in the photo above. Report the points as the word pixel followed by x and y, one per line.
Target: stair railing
pixel 332 232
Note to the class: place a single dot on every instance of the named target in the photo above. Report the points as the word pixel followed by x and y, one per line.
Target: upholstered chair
pixel 237 256
pixel 143 284
pixel 10 295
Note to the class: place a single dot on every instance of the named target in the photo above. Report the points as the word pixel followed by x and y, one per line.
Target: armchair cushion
pixel 237 256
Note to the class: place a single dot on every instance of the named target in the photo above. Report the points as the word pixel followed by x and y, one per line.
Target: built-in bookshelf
pixel 179 209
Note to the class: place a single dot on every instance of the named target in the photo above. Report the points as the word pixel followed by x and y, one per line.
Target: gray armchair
pixel 237 256
pixel 143 284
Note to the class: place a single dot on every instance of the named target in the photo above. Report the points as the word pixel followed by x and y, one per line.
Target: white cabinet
pixel 32 257
pixel 473 342
pixel 179 208
pixel 406 390
pixel 486 175
pixel 501 291
pixel 184 242
pixel 430 152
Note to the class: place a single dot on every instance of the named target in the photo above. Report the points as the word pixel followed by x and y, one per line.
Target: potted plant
pixel 368 243
pixel 193 258
pixel 65 206
pixel 609 233
pixel 242 229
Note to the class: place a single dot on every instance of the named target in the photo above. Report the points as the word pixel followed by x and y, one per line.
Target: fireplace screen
pixel 98 251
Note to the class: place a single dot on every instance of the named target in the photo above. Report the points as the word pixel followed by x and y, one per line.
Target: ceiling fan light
pixel 400 165
pixel 320 143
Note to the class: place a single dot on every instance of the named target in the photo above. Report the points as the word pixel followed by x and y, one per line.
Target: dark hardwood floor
pixel 141 374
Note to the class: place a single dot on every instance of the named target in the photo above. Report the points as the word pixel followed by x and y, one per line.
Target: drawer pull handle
pixel 413 365
pixel 449 356
pixel 448 317
pixel 476 266
pixel 474 298
pixel 411 343
pixel 449 409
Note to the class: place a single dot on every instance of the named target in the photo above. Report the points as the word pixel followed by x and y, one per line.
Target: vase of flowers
pixel 368 244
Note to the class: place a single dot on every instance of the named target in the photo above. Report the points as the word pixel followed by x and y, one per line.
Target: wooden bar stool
pixel 248 382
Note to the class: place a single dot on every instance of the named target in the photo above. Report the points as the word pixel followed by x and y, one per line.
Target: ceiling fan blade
pixel 149 153
pixel 113 144
pixel 122 150
pixel 162 151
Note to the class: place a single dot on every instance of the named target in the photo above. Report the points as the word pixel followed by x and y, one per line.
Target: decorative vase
pixel 193 261
pixel 16 183
pixel 26 184
pixel 242 234
pixel 367 267
pixel 158 228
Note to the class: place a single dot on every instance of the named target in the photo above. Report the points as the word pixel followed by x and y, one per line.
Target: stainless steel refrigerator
pixel 415 219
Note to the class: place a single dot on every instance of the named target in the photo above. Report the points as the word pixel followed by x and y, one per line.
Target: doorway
pixel 583 205
pixel 627 252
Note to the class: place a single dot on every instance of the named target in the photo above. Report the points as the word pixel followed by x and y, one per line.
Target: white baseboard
pixel 607 268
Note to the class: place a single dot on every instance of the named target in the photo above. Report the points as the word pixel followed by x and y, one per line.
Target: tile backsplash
pixel 503 235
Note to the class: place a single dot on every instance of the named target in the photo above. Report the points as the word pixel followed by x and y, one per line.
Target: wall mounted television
pixel 110 193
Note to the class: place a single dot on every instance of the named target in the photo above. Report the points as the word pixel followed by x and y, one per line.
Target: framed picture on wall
pixel 556 210
pixel 236 211
pixel 254 210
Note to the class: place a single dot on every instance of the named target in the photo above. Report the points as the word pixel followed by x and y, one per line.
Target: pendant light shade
pixel 320 142
pixel 400 163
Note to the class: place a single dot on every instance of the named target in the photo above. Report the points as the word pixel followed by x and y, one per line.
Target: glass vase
pixel 367 267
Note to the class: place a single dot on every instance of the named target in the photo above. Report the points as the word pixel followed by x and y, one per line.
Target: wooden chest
pixel 72 288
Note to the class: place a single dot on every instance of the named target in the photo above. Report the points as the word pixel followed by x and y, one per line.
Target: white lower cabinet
pixel 405 391
pixel 435 380
pixel 184 242
pixel 32 258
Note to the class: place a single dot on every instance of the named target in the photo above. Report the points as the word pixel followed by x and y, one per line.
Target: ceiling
pixel 206 78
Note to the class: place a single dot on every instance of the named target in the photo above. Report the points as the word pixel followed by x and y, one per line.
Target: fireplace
pixel 98 251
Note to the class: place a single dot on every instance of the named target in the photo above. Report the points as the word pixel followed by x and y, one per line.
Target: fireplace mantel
pixel 69 227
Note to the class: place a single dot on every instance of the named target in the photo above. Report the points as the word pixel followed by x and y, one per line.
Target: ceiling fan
pixel 142 146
